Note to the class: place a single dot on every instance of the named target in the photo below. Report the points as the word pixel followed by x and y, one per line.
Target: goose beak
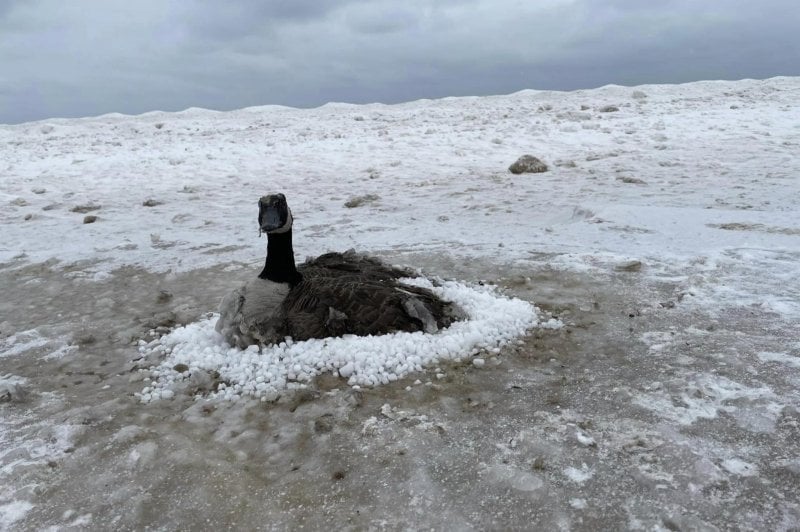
pixel 269 218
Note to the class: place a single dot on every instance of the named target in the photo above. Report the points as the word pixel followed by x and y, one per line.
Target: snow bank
pixel 493 320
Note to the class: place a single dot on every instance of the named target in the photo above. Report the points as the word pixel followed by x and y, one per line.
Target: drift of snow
pixel 492 321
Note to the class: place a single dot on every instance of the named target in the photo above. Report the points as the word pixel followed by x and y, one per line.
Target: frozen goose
pixel 332 295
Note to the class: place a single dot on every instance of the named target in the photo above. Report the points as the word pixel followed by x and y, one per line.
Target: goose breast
pixel 252 314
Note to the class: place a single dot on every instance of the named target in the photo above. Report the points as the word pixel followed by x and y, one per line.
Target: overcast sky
pixel 68 58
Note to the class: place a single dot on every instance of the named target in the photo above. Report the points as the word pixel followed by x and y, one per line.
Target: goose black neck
pixel 279 266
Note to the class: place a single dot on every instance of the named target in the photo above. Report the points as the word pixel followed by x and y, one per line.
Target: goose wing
pixel 353 266
pixel 325 306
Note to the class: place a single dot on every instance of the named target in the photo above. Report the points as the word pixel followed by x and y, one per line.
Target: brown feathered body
pixel 350 293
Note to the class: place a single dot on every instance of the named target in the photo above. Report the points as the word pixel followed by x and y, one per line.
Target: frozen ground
pixel 665 237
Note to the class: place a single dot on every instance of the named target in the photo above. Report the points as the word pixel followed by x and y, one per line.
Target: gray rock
pixel 609 109
pixel 358 201
pixel 89 219
pixel 354 397
pixel 527 164
pixel 574 116
pixel 565 163
pixel 631 180
pixel 12 392
pixel 324 423
pixel 202 380
pixel 629 266
pixel 160 319
pixel 83 209
pixel 164 296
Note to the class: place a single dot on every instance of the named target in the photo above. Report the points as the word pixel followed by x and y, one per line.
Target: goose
pixel 332 295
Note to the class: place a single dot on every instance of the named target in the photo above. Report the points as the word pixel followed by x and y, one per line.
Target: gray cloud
pixel 64 59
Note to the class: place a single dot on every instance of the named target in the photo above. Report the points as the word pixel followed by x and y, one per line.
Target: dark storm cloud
pixel 209 19
pixel 78 58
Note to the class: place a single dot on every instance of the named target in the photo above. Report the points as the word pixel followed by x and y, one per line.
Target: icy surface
pixel 665 237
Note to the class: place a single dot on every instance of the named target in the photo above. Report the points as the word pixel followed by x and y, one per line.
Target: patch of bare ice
pixel 706 395
pixel 579 475
pixel 512 477
pixel 12 512
pixel 21 342
pixel 782 358
pixel 735 466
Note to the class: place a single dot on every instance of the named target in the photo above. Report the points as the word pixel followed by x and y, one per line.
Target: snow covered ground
pixel 665 237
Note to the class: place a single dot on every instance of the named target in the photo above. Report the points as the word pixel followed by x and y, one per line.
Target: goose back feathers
pixel 331 295
pixel 350 293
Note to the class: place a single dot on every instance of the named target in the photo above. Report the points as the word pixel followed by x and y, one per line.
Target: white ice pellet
pixel 585 439
pixel 478 362
pixel 346 370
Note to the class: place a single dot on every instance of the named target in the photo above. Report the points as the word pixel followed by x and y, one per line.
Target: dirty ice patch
pixel 197 349
pixel 579 475
pixel 781 358
pixel 22 342
pixel 706 395
pixel 739 467
pixel 13 511
pixel 32 340
pixel 25 446
pixel 736 278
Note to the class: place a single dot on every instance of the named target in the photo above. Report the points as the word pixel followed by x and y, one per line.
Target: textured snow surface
pixel 703 172
pixel 665 236
pixel 493 321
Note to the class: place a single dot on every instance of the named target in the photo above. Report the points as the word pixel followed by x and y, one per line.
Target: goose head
pixel 274 215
